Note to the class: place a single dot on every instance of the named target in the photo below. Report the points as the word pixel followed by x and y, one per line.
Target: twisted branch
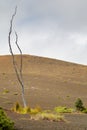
pixel 17 71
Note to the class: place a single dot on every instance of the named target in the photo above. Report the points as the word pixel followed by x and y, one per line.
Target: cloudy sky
pixel 49 28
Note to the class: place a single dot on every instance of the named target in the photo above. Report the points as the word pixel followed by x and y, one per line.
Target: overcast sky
pixel 49 28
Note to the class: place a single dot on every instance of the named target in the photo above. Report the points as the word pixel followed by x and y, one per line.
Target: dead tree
pixel 18 71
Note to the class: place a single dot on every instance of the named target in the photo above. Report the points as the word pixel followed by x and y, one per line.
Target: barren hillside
pixel 48 82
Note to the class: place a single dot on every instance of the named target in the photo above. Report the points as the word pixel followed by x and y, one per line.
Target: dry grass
pixel 48 116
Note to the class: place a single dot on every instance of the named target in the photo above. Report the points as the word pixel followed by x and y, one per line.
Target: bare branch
pixel 18 71
pixel 21 61
pixel 9 37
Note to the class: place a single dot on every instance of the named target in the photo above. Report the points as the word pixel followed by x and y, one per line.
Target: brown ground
pixel 48 83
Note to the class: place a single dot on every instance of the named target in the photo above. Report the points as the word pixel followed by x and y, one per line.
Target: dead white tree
pixel 18 71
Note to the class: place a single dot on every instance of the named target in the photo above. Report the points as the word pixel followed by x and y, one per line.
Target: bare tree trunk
pixel 17 70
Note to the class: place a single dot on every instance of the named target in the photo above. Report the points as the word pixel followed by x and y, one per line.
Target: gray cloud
pixel 51 28
pixel 67 14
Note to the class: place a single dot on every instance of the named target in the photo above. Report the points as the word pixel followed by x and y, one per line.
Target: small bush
pixel 63 110
pixel 5 122
pixel 79 105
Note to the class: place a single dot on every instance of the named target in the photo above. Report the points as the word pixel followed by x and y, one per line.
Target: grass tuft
pixel 6 91
pixel 19 109
pixel 48 116
pixel 63 110
pixel 35 110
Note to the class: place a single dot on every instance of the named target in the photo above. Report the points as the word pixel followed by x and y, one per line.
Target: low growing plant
pixel 48 116
pixel 35 110
pixel 26 110
pixel 37 113
pixel 63 109
pixel 5 91
pixel 85 110
pixel 5 122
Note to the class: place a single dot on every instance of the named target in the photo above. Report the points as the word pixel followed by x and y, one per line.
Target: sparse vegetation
pixel 22 110
pixel 52 115
pixel 5 122
pixel 37 113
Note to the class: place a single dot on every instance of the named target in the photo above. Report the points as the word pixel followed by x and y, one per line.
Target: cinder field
pixel 48 83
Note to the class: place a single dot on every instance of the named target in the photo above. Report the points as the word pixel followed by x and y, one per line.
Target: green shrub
pixel 5 122
pixel 79 105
